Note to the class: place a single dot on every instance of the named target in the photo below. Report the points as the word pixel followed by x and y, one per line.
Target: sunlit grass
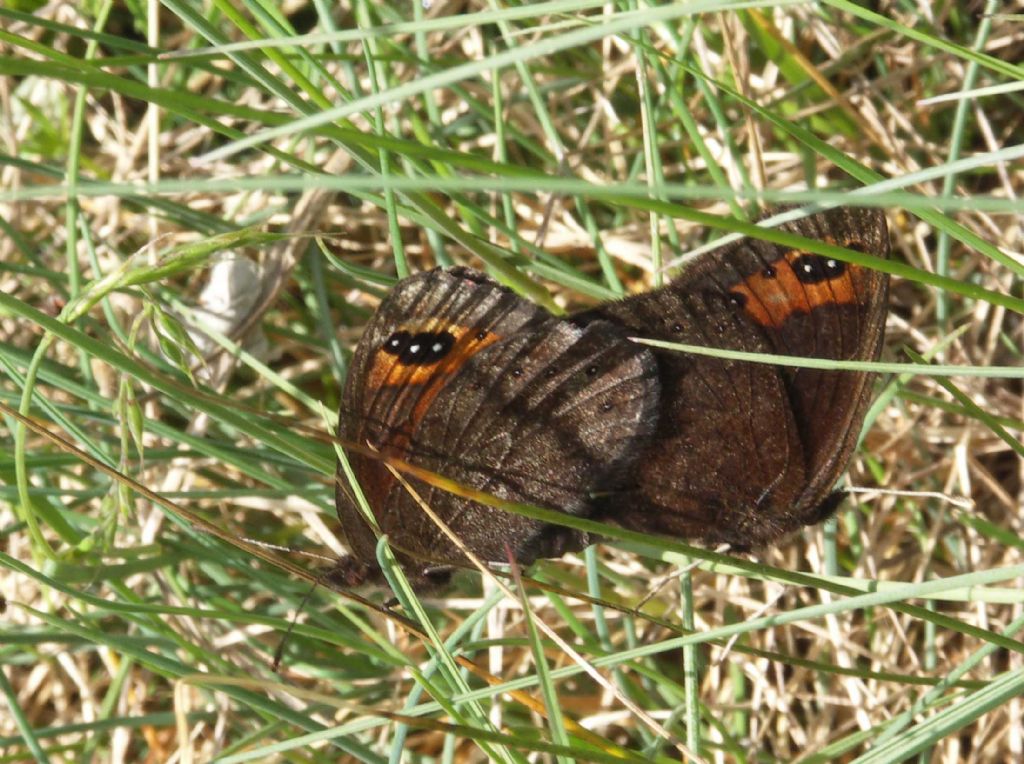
pixel 341 152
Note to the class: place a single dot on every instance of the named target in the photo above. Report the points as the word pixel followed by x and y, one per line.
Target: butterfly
pixel 459 376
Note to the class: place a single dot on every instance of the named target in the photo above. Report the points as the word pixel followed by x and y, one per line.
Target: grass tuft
pixel 575 150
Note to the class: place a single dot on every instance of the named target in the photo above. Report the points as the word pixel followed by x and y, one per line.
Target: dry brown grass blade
pixel 819 79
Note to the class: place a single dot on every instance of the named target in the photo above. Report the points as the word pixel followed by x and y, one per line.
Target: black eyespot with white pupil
pixel 814 269
pixel 420 349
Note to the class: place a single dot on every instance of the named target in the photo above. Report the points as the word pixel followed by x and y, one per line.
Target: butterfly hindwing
pixel 724 438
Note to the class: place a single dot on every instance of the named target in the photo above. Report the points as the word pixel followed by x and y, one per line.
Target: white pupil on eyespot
pixel 831 264
pixel 414 349
pixel 437 347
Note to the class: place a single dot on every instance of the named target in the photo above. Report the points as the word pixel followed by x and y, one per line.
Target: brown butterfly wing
pixel 846 322
pixel 744 452
pixel 517 404
pixel 726 441
pixel 383 395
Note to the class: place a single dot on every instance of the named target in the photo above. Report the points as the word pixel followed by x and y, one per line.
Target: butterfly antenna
pixel 279 652
pixel 288 549
pixel 346 573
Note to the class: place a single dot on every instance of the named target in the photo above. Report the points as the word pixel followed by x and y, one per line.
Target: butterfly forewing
pixel 541 411
pixel 422 334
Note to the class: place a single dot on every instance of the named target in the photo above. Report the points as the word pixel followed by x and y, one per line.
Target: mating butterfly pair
pixel 459 376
